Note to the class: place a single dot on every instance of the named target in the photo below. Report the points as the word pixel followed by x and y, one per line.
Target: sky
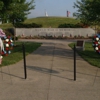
pixel 52 7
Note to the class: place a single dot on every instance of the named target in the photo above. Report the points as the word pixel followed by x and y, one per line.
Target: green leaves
pixel 1 5
pixel 88 11
pixel 15 10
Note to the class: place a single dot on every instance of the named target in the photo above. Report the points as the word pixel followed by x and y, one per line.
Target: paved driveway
pixel 50 76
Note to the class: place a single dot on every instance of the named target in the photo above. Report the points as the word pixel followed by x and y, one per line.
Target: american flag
pixel 68 13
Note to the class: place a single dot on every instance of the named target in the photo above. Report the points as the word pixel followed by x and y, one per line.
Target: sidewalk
pixel 50 76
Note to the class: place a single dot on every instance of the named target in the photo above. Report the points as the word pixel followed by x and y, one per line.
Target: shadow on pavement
pixel 80 73
pixel 47 71
pixel 10 75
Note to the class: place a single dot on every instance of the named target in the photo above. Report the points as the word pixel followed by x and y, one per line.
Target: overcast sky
pixel 52 7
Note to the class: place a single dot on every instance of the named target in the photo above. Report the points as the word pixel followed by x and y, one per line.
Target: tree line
pixel 15 10
pixel 88 11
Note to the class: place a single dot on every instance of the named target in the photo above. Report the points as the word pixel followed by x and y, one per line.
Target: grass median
pixel 89 54
pixel 17 52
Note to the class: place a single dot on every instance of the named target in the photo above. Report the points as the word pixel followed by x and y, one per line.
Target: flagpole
pixel 67 13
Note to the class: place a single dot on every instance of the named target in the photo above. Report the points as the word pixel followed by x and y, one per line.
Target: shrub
pixel 78 25
pixel 24 25
pixel 16 38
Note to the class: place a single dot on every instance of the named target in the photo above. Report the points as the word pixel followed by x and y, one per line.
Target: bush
pixel 78 25
pixel 10 32
pixel 67 25
pixel 16 38
pixel 7 33
pixel 23 25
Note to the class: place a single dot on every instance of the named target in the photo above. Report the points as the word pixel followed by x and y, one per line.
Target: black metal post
pixel 74 62
pixel 24 58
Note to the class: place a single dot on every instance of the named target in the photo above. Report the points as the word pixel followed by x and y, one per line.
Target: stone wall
pixel 55 32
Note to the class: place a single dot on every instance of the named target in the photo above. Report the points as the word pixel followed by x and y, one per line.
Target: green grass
pixel 17 53
pixel 46 22
pixel 6 25
pixel 53 22
pixel 89 54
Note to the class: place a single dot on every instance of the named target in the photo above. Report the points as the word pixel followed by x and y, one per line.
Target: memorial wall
pixel 55 32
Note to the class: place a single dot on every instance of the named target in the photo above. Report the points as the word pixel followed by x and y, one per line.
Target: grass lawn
pixel 6 25
pixel 46 22
pixel 89 54
pixel 53 22
pixel 17 53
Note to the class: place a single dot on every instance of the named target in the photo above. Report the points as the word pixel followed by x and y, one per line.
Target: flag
pixel 68 13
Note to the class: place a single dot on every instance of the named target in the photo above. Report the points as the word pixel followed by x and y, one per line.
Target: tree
pixel 88 11
pixel 15 10
pixel 1 5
